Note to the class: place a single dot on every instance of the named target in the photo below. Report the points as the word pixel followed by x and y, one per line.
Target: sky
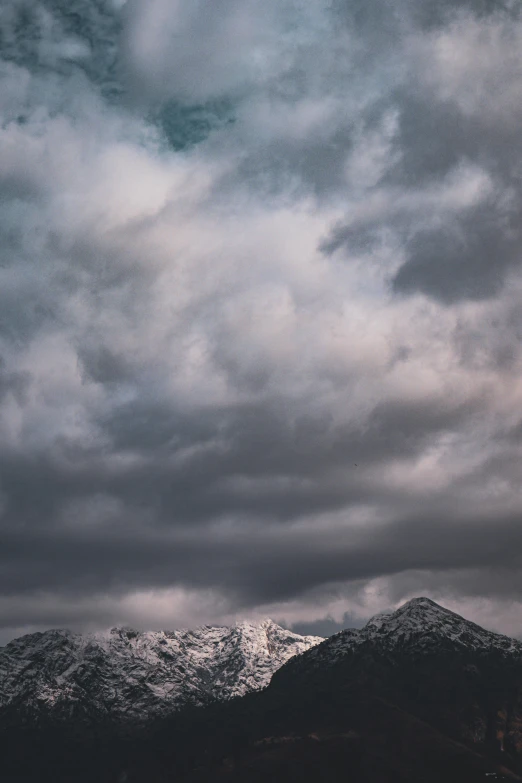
pixel 260 311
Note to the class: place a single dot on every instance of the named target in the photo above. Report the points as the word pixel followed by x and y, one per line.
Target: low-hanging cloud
pixel 259 310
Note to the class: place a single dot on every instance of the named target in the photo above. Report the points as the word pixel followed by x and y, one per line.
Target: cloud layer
pixel 260 320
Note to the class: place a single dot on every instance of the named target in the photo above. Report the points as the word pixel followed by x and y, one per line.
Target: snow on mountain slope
pixel 418 627
pixel 126 674
pixel 420 622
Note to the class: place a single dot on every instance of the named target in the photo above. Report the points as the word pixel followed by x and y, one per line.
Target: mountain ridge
pixel 135 676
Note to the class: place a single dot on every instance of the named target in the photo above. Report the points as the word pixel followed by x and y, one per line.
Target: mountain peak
pixel 423 603
pixel 264 622
pixel 428 607
pixel 421 624
pixel 417 605
pixel 417 628
pixel 420 611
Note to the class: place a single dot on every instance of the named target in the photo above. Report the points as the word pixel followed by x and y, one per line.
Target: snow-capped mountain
pixel 419 627
pixel 125 674
pixel 432 663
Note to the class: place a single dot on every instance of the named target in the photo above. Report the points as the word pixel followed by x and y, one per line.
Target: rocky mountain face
pixel 126 675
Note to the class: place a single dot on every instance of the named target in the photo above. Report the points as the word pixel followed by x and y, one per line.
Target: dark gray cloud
pixel 464 259
pixel 259 310
pixel 449 115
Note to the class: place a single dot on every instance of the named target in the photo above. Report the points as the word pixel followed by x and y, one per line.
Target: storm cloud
pixel 260 311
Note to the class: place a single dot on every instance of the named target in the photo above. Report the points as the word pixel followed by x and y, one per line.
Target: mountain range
pixel 128 676
pixel 418 694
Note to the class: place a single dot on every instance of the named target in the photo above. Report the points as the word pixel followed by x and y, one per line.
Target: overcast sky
pixel 260 311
